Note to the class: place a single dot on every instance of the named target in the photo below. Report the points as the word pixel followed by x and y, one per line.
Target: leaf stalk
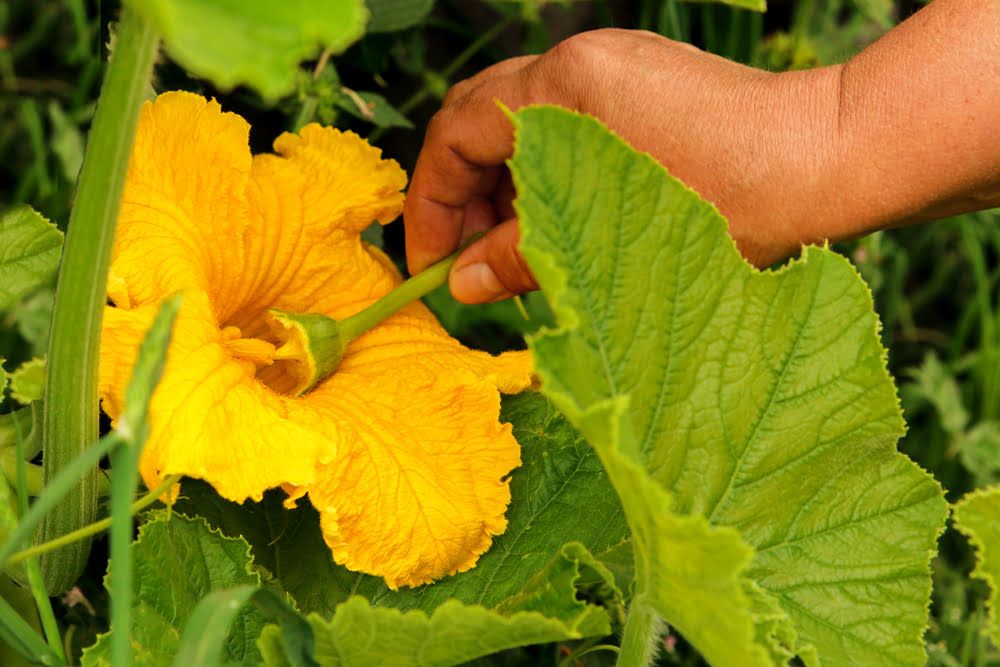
pixel 71 419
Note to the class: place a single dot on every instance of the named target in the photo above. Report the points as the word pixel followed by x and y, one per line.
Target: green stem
pixel 640 635
pixel 308 109
pixel 35 581
pixel 71 417
pixel 415 288
pixel 95 528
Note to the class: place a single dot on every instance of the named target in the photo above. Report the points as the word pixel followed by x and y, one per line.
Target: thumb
pixel 492 268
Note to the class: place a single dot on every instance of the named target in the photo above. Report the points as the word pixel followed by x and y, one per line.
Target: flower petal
pixel 414 336
pixel 417 489
pixel 184 208
pixel 209 417
pixel 303 250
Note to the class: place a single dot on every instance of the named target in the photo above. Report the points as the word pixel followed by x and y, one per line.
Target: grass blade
pixel 134 427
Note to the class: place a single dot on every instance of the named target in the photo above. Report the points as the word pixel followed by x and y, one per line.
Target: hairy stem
pixel 95 528
pixel 641 635
pixel 71 415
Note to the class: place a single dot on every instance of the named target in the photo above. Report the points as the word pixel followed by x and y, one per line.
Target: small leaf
pixel 880 11
pixel 28 382
pixel 67 142
pixel 979 451
pixel 256 42
pixel 394 15
pixel 30 247
pixel 33 317
pixel 4 378
pixel 937 385
pixel 756 5
pixel 977 516
pixel 178 561
pixel 373 108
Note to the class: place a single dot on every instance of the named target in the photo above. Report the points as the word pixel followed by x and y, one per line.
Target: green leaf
pixel 33 316
pixel 880 11
pixel 373 108
pixel 30 247
pixel 937 385
pixel 746 418
pixel 756 5
pixel 210 622
pixel 178 561
pixel 559 475
pixel 393 15
pixel 67 142
pixel 23 605
pixel 256 42
pixel 977 516
pixel 979 451
pixel 27 382
pixel 550 609
pixel 485 322
pixel 4 378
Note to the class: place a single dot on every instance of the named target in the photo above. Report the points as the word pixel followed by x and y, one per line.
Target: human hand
pixel 905 132
pixel 747 140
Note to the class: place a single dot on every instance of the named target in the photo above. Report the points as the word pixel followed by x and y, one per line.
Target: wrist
pixel 789 194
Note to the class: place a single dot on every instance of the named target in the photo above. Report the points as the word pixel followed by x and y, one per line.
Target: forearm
pixel 907 131
pixel 919 119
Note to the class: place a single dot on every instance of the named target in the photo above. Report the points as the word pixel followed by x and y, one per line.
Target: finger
pixel 492 268
pixel 467 142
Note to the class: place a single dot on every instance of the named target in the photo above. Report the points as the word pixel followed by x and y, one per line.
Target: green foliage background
pixel 935 287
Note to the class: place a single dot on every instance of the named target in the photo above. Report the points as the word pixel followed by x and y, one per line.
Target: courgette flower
pixel 401 449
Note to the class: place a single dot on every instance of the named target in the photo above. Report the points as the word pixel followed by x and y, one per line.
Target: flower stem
pixel 71 415
pixel 94 528
pixel 409 291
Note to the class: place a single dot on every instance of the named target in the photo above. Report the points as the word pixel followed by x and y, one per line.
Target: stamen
pixel 255 350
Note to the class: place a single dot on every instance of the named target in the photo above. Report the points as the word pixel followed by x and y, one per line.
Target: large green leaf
pixel 256 42
pixel 756 405
pixel 559 494
pixel 977 515
pixel 30 247
pixel 178 561
pixel 549 609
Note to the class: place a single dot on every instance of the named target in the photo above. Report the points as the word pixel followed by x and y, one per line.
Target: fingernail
pixel 476 283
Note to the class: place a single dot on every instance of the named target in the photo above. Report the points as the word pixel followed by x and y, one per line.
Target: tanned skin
pixel 906 131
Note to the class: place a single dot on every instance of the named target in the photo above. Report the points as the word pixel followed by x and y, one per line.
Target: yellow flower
pixel 400 450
